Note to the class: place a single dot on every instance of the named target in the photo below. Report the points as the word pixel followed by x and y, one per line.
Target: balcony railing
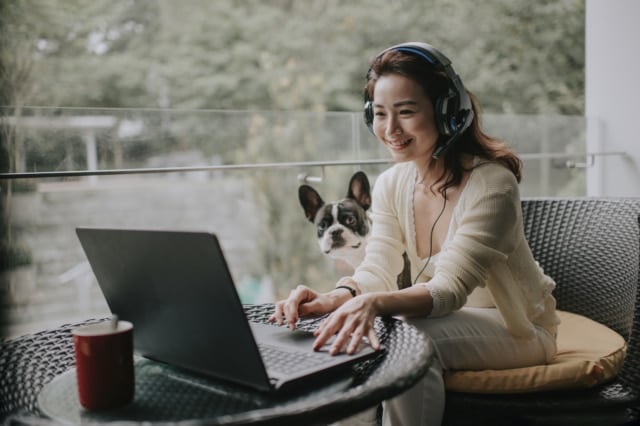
pixel 235 173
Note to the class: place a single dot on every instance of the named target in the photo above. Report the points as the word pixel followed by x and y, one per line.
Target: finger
pixel 323 335
pixel 342 339
pixel 356 340
pixel 325 331
pixel 373 339
pixel 291 314
pixel 363 333
pixel 274 317
pixel 343 328
pixel 321 326
pixel 295 304
pixel 292 305
pixel 277 315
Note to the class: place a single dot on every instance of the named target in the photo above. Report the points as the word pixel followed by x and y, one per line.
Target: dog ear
pixel 360 190
pixel 310 201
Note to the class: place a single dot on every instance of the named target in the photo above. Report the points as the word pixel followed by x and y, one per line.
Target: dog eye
pixel 350 220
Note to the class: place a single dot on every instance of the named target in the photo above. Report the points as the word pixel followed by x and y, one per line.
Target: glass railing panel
pixel 545 143
pixel 46 140
pixel 270 245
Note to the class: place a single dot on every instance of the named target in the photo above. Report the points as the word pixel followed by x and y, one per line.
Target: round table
pixel 37 379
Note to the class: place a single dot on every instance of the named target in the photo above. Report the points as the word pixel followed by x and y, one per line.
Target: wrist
pixel 338 297
pixel 348 284
pixel 346 289
pixel 376 303
pixel 351 290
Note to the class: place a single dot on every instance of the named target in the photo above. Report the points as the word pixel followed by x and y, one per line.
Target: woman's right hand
pixel 303 301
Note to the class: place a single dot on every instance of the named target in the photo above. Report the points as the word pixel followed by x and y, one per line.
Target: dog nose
pixel 336 233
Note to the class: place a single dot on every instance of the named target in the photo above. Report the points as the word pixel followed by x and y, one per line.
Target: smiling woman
pixel 451 203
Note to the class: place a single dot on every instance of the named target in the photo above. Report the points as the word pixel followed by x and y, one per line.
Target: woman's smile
pixel 398 143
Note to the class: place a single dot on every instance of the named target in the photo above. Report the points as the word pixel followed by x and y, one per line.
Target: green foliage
pixel 518 56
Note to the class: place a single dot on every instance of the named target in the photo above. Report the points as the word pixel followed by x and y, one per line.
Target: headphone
pixel 453 111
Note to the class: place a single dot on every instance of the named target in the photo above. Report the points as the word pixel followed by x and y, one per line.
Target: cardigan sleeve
pixel 385 246
pixel 486 222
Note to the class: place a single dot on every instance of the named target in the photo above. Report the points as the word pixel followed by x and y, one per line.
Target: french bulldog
pixel 343 226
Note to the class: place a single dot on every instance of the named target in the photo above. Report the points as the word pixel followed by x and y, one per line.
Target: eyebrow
pixel 399 104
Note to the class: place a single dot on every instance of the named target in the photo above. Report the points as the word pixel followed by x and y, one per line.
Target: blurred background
pixel 209 114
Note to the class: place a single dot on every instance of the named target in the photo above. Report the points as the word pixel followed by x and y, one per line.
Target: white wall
pixel 613 95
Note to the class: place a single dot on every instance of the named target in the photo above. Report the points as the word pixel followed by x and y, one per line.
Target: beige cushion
pixel 589 353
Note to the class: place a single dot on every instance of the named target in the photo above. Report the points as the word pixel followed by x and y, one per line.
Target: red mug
pixel 104 364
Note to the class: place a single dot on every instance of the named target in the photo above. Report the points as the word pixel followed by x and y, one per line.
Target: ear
pixel 360 190
pixel 310 201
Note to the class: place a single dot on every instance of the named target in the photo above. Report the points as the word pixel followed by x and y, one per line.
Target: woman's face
pixel 403 118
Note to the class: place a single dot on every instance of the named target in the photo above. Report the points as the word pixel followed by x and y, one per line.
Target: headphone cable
pixel 433 227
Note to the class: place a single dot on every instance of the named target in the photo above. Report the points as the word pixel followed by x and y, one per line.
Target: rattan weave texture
pixel 591 248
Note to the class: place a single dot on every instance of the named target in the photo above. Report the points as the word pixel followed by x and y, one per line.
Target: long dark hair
pixel 434 83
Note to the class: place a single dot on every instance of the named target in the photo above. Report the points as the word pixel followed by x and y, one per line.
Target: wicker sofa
pixel 591 247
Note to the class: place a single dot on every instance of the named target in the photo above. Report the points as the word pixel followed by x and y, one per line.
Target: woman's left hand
pixel 352 321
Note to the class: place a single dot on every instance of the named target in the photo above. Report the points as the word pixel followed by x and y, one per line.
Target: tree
pixel 517 56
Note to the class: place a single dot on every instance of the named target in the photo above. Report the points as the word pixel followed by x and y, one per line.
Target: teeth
pixel 401 143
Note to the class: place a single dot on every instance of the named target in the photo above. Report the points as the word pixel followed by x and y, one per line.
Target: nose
pixel 392 126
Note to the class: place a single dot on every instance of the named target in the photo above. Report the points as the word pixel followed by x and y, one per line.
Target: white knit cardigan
pixel 485 251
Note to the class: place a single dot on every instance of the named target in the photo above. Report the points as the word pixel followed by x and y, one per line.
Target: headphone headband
pixel 453 111
pixel 424 50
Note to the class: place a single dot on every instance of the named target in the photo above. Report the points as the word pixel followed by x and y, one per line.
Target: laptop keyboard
pixel 282 361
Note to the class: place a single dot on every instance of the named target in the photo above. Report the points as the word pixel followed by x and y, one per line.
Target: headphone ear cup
pixel 447 110
pixel 368 115
pixel 440 115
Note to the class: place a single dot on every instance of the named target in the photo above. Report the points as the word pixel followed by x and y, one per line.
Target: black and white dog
pixel 343 226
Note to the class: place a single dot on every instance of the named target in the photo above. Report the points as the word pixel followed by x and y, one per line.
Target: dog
pixel 343 226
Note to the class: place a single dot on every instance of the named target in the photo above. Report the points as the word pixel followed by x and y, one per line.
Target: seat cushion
pixel 589 353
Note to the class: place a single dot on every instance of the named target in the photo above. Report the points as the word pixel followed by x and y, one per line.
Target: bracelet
pixel 346 287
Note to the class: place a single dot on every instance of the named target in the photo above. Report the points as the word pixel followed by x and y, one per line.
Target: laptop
pixel 177 290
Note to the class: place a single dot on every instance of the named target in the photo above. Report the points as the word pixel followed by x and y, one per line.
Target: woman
pixel 451 202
